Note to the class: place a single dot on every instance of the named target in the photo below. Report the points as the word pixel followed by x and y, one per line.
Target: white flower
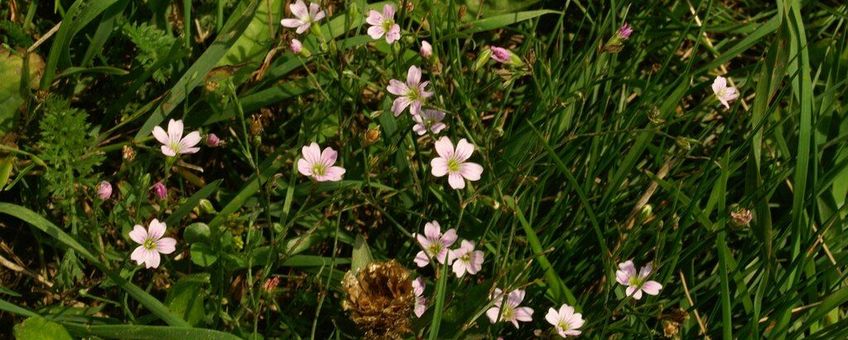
pixel 173 143
pixel 724 93
pixel 466 259
pixel 565 321
pixel 304 17
pixel 420 300
pixel 453 162
pixel 428 119
pixel 636 283
pixel 151 243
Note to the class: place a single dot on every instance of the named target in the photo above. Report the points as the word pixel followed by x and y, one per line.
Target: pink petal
pixel 652 287
pixel 438 127
pixel 189 151
pixel 646 270
pixel 552 317
pixel 423 241
pixel 492 313
pixel 388 11
pixel 471 171
pixel 328 156
pixel 622 277
pixel 566 311
pixel 433 230
pixel 413 76
pixel 397 87
pixel 439 167
pixel 456 181
pixel 463 150
pixel 304 167
pixel 400 104
pixel 576 321
pixel 160 135
pixel 628 268
pixel 524 314
pixel 449 237
pixel 719 83
pixel 299 9
pixel 415 108
pixel 442 256
pixel 393 34
pixel 459 268
pixel 302 28
pixel 374 18
pixel 167 151
pixel 476 262
pixel 420 307
pixel 190 140
pixel 318 16
pixel 312 153
pixel 138 234
pixel 444 147
pixel 418 286
pixel 419 129
pixel 313 10
pixel 334 173
pixel 375 32
pixel 515 297
pixel 153 259
pixel 156 229
pixel 571 332
pixel 175 130
pixel 138 255
pixel 421 259
pixel 291 23
pixel 166 245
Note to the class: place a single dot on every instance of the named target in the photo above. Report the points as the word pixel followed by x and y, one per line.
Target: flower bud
pixel 206 206
pixel 213 141
pixel 624 32
pixel 505 56
pixel 740 217
pixel 104 190
pixel 159 190
pixel 426 50
pixel 482 59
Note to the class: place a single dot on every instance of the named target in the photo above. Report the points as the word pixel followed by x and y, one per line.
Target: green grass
pixel 590 158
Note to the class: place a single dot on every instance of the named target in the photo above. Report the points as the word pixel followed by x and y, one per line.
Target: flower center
pixel 175 146
pixel 149 244
pixel 507 313
pixel 635 281
pixel 465 258
pixel 387 25
pixel 435 248
pixel 413 94
pixel 319 169
pixel 564 325
pixel 453 165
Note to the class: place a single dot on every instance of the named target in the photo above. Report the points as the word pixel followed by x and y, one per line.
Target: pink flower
pixel 104 190
pixel 566 321
pixel 420 300
pixel 501 54
pixel 452 162
pixel 724 93
pixel 173 143
pixel 319 164
pixel 151 244
pixel 159 190
pixel 413 92
pixel 624 31
pixel 296 46
pixel 303 17
pixel 213 141
pixel 426 49
pixel 428 119
pixel 511 312
pixel 434 243
pixel 383 24
pixel 466 259
pixel 636 283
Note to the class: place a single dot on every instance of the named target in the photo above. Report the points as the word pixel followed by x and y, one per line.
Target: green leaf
pixel 361 256
pixel 127 332
pixel 191 202
pixel 187 298
pixel 503 20
pixel 258 38
pixel 203 255
pixel 12 71
pixel 38 328
pixel 196 232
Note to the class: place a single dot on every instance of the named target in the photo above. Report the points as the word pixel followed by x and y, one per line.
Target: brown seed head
pixel 380 299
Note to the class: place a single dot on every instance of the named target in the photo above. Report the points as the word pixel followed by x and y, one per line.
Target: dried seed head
pixel 380 299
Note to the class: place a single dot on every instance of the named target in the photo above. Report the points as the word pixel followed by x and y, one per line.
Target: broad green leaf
pixel 203 255
pixel 503 20
pixel 361 256
pixel 187 298
pixel 258 38
pixel 38 328
pixel 11 71
pixel 196 232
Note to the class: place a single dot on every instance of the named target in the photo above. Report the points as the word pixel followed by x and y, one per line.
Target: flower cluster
pixel 436 245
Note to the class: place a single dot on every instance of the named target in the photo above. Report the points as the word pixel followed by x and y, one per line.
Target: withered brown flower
pixel 380 299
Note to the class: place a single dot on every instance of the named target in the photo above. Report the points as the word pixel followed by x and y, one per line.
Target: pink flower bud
pixel 159 190
pixel 213 141
pixel 624 31
pixel 104 190
pixel 500 54
pixel 426 50
pixel 296 46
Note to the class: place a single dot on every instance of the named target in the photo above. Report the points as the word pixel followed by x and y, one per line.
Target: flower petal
pixel 413 76
pixel 160 135
pixel 328 156
pixel 492 314
pixel 646 270
pixel 175 130
pixel 456 181
pixel 374 18
pixel 167 151
pixel 459 268
pixel 375 32
pixel 138 234
pixel 156 229
pixel 439 166
pixel 463 150
pixel 419 129
pixel 437 127
pixel 393 34
pixel 433 230
pixel 304 167
pixel 138 255
pixel 397 87
pixel 388 12
pixel 334 173
pixel 190 140
pixel 524 314
pixel 291 23
pixel 166 245
pixel 471 171
pixel 719 84
pixel 652 287
pixel 421 259
pixel 153 259
pixel 400 104
pixel 444 147
pixel 449 237
pixel 515 297
pixel 552 317
pixel 312 153
pixel 299 10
